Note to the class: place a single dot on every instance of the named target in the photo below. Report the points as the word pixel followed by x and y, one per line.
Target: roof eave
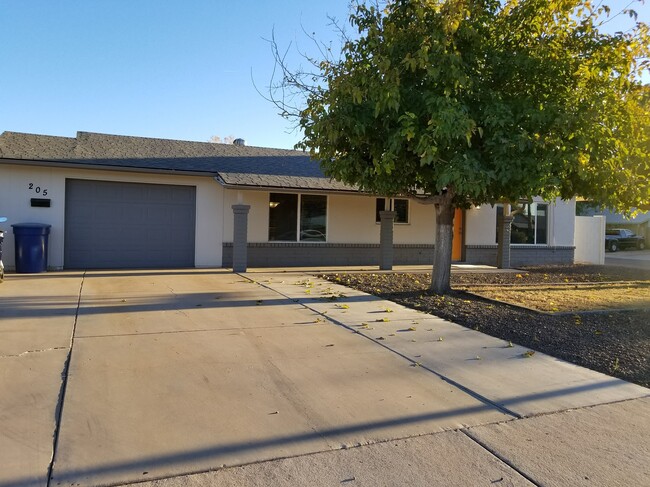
pixel 289 189
pixel 101 167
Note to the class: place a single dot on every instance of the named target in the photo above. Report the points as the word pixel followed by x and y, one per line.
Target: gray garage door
pixel 112 225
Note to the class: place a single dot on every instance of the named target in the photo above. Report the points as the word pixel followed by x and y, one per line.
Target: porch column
pixel 240 238
pixel 503 249
pixel 386 240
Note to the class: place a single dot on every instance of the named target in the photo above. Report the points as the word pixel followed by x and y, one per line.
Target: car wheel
pixel 613 247
pixel 641 245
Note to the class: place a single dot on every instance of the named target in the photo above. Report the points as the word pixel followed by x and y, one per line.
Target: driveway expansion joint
pixel 493 452
pixel 64 383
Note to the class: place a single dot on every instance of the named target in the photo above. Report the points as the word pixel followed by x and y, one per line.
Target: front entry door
pixel 457 249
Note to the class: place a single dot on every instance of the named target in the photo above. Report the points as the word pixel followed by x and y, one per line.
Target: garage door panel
pixel 129 225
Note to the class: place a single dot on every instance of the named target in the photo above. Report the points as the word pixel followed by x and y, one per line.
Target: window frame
pixel 299 218
pixel 535 230
pixel 391 205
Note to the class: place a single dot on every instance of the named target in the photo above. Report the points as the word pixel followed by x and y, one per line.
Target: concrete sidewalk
pixel 173 373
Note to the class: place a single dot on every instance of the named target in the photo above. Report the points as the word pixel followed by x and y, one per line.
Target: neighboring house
pixel 132 202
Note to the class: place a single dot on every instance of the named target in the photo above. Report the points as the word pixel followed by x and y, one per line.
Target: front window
pixel 399 206
pixel 529 226
pixel 292 216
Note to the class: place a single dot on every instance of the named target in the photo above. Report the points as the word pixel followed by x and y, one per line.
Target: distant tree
pixel 466 102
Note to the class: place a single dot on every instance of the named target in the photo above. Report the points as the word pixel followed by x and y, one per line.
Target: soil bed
pixel 563 298
pixel 615 342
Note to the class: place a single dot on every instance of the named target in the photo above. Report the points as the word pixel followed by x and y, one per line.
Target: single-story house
pixel 132 202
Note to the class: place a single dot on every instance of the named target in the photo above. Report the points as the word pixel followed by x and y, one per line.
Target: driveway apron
pixel 180 372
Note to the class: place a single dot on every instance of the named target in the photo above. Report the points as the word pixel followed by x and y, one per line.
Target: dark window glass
pixel 523 227
pixel 529 226
pixel 313 218
pixel 283 216
pixel 499 209
pixel 400 207
pixel 542 223
pixel 380 206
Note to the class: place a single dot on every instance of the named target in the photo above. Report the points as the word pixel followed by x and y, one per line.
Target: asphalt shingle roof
pixel 234 165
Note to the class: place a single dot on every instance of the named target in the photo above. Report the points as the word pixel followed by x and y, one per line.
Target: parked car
pixel 622 238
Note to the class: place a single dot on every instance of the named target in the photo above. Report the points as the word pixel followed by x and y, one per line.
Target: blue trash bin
pixel 31 246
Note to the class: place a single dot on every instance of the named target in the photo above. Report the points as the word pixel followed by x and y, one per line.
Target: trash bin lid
pixel 31 228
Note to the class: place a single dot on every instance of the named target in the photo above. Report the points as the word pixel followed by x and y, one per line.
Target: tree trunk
pixel 504 231
pixel 441 274
pixel 503 248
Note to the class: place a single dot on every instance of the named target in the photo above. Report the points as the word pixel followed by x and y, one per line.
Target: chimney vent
pixel 241 142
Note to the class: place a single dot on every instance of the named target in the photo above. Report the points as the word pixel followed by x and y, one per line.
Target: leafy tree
pixel 467 102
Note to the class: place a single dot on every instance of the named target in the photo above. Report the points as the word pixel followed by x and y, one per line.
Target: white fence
pixel 590 240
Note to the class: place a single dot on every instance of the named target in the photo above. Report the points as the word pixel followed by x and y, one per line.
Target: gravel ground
pixel 616 343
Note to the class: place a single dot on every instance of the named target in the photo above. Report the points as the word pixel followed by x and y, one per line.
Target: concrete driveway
pixel 110 378
pixel 639 259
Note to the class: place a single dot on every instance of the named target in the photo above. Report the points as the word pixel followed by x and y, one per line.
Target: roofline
pixel 82 133
pixel 290 189
pixel 98 167
pixel 177 172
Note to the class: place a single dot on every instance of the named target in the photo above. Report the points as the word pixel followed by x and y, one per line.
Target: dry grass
pixel 570 297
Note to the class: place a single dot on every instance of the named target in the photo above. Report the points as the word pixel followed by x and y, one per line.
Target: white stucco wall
pixel 590 239
pixel 258 216
pixel 15 198
pixel 480 225
pixel 563 218
pixel 350 219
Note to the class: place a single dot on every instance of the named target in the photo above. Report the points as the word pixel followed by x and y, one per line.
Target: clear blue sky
pixel 155 68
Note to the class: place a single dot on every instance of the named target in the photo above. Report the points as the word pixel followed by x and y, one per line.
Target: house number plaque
pixel 38 189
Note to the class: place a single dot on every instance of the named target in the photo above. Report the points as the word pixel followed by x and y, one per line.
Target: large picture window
pixel 399 206
pixel 294 217
pixel 529 226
